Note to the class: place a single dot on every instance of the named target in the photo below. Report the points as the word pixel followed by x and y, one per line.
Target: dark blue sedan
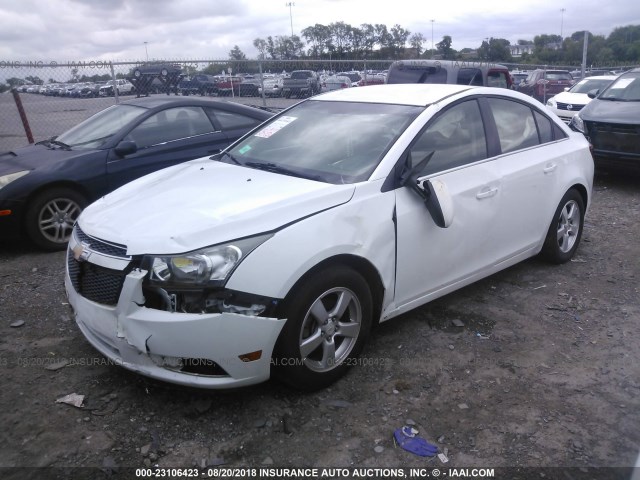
pixel 44 187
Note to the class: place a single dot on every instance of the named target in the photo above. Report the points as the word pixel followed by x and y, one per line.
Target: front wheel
pixel 51 215
pixel 328 324
pixel 565 230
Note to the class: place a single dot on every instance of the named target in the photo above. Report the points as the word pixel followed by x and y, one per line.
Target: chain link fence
pixel 44 99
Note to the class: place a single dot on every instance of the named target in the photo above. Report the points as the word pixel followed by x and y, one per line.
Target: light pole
pixel 290 5
pixel 432 21
pixel 562 10
pixel 146 51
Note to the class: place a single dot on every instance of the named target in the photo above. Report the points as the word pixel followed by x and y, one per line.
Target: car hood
pixel 608 111
pixel 572 98
pixel 34 157
pixel 202 203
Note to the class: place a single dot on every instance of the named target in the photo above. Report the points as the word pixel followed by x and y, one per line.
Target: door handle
pixel 486 192
pixel 550 167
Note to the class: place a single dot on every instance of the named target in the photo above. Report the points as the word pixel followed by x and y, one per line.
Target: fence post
pixel 115 83
pixel 23 114
pixel 264 99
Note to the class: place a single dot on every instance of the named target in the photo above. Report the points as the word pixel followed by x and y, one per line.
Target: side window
pixel 544 127
pixel 456 137
pixel 515 123
pixel 171 124
pixel 497 79
pixel 470 76
pixel 231 120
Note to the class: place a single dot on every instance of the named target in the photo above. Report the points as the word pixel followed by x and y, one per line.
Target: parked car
pixel 199 84
pixel 449 71
pixel 44 187
pixel 279 255
pixel 336 82
pixel 355 77
pixel 372 80
pixel 272 87
pixel 227 85
pixel 124 87
pixel 543 84
pixel 301 83
pixel 571 101
pixel 249 87
pixel 156 77
pixel 611 121
pixel 517 78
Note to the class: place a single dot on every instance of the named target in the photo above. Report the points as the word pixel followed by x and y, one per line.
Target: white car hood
pixel 572 98
pixel 202 203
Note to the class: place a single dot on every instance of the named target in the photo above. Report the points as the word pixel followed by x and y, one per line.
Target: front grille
pixel 95 283
pixel 615 137
pixel 101 246
pixel 565 106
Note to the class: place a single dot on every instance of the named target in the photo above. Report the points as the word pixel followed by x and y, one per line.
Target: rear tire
pixel 565 230
pixel 51 215
pixel 329 320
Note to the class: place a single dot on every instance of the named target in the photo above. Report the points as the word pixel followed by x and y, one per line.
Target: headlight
pixel 577 123
pixel 7 179
pixel 208 266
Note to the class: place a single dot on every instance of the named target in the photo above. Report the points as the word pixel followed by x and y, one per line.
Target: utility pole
pixel 290 5
pixel 562 10
pixel 146 51
pixel 432 46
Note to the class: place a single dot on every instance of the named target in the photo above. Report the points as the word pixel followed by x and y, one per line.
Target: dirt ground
pixel 545 371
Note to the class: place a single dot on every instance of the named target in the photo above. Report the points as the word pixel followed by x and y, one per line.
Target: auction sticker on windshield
pixel 275 126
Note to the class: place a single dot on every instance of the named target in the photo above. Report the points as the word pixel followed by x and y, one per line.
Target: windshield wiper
pixel 274 168
pixel 60 144
pixel 231 157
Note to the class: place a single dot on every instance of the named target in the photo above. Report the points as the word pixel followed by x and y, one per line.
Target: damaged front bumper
pixel 208 350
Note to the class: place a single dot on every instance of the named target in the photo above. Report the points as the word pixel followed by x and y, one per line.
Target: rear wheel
pixel 565 230
pixel 328 324
pixel 51 215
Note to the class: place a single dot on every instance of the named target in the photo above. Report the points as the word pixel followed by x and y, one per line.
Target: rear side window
pixel 498 79
pixel 418 74
pixel 544 127
pixel 516 124
pixel 470 76
pixel 231 120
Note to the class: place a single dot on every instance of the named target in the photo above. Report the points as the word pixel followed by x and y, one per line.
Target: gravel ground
pixel 535 366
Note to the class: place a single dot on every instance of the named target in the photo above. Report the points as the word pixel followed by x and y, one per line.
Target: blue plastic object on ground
pixel 406 438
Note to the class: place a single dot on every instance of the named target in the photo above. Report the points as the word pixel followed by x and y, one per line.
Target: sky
pixel 133 30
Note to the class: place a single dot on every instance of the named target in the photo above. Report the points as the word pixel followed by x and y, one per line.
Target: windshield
pixel 625 89
pixel 96 130
pixel 586 85
pixel 333 142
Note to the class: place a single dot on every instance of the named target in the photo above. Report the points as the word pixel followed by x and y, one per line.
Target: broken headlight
pixel 208 266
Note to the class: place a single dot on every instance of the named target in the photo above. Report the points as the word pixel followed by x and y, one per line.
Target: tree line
pixel 339 40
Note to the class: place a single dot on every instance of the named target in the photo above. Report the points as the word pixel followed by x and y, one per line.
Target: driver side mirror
pixel 435 194
pixel 126 147
pixel 593 93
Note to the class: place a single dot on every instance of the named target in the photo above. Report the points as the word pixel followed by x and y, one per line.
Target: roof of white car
pixel 419 94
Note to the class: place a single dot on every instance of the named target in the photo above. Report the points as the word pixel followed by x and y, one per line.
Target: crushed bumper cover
pixel 152 342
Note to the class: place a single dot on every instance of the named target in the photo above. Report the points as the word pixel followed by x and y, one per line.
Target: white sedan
pixel 567 104
pixel 277 256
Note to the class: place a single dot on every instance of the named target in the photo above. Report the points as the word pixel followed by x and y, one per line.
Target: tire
pixel 565 230
pixel 164 72
pixel 316 349
pixel 51 215
pixel 137 73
